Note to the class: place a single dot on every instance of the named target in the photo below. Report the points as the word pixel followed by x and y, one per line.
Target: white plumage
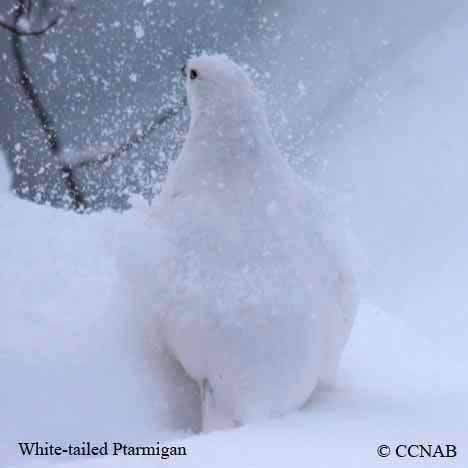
pixel 253 301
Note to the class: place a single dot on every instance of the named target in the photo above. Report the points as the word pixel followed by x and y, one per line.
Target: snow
pixel 72 155
pixel 64 346
pixel 51 56
pixel 24 24
pixel 4 174
pixel 402 394
pixel 72 370
pixel 139 31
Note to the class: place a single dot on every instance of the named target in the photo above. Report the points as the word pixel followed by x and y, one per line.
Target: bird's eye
pixel 193 74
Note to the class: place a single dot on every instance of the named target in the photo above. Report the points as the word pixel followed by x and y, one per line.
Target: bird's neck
pixel 232 128
pixel 230 149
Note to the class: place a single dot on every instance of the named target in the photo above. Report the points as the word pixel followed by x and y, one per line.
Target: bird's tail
pixel 337 324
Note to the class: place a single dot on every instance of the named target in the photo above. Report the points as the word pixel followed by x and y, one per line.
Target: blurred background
pixel 367 99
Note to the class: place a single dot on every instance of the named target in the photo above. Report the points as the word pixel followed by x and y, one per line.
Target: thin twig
pixel 24 9
pixel 28 8
pixel 135 139
pixel 30 91
pixel 31 32
pixel 45 120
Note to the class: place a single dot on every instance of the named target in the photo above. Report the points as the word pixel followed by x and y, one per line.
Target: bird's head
pixel 215 84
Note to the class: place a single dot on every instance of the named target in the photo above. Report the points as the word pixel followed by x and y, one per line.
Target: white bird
pixel 254 301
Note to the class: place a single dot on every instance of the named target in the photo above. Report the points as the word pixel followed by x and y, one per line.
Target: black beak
pixel 184 70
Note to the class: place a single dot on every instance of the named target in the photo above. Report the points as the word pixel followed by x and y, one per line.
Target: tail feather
pixel 337 324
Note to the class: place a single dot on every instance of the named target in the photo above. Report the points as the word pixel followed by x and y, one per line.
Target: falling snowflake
pixel 50 56
pixel 139 31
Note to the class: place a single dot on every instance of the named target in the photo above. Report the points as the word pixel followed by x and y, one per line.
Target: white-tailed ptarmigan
pixel 254 302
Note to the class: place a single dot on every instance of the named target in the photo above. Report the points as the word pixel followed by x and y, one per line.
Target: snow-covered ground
pixel 394 389
pixel 68 369
pixel 72 369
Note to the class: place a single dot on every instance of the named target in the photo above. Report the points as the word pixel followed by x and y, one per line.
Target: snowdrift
pixel 393 390
pixel 68 369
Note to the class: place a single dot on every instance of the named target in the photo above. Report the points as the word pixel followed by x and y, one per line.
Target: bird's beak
pixel 184 70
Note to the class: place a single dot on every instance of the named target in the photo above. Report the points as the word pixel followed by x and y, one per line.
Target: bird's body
pixel 253 301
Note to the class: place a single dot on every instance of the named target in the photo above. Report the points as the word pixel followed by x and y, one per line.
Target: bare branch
pixel 28 7
pixel 31 32
pixel 30 91
pixel 24 10
pixel 135 138
pixel 45 120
